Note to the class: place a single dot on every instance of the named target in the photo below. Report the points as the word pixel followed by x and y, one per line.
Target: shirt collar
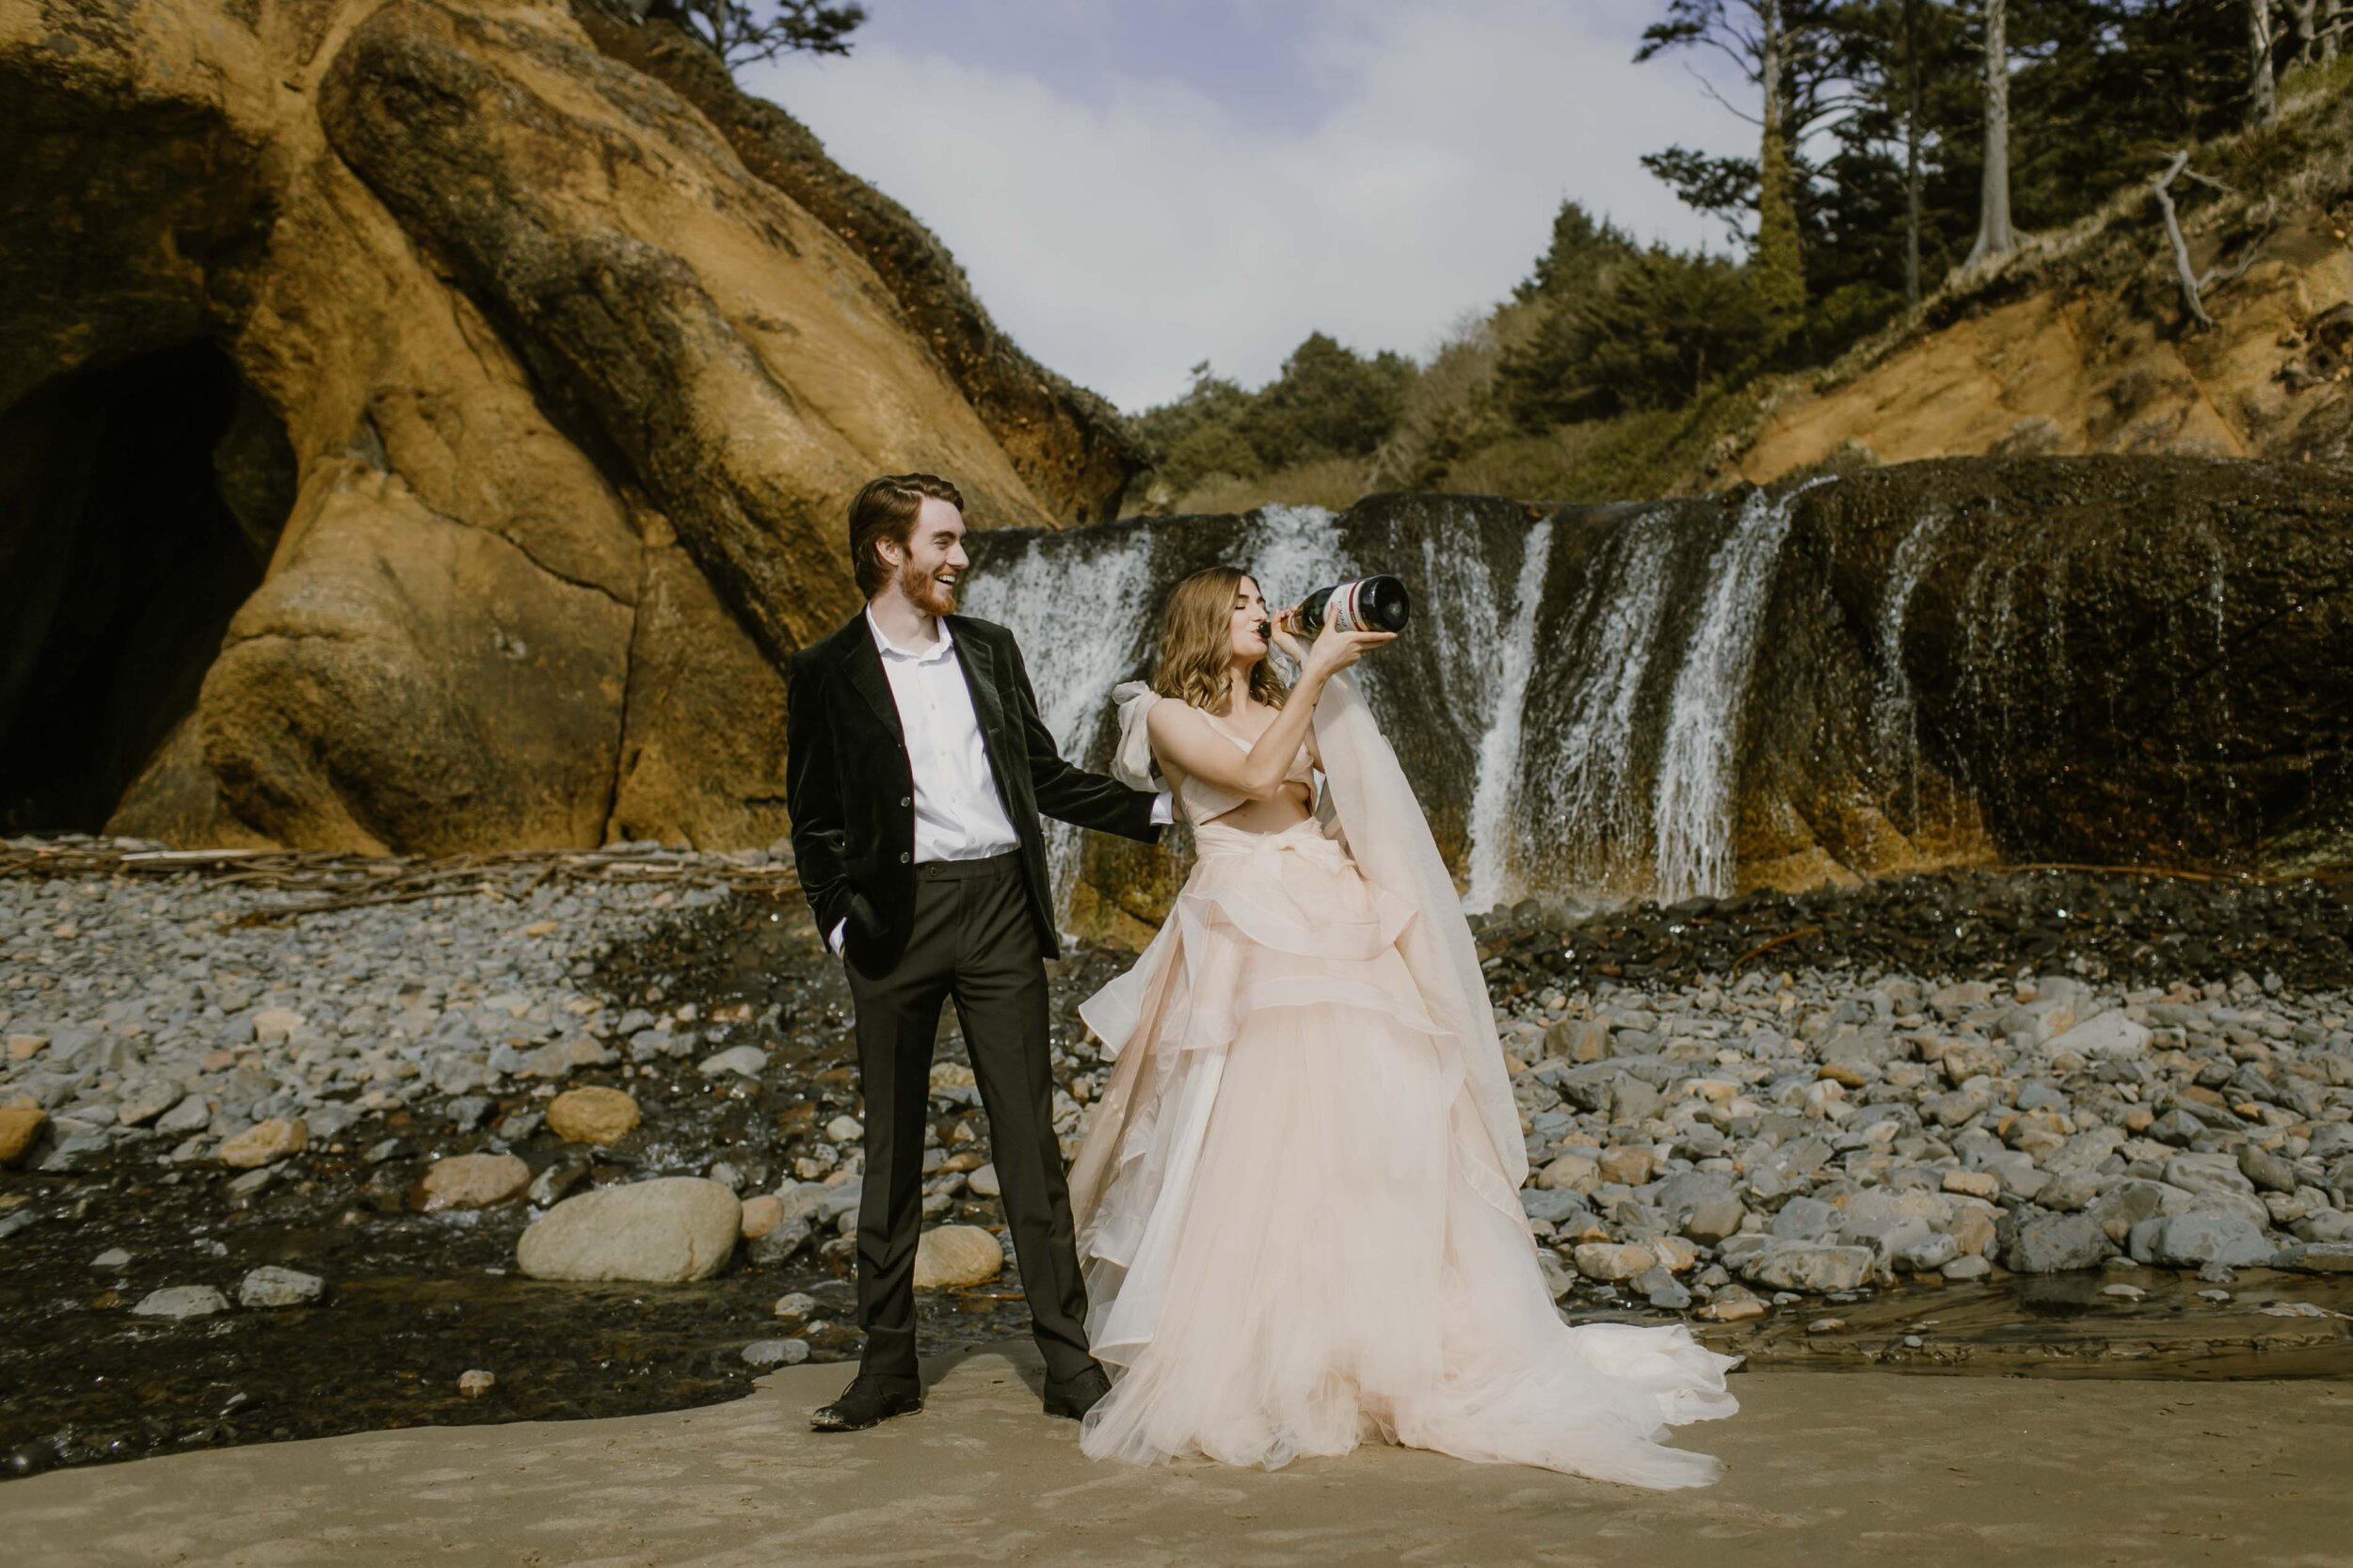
pixel 892 650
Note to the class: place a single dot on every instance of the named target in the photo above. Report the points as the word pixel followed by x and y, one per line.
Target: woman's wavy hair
pixel 1197 646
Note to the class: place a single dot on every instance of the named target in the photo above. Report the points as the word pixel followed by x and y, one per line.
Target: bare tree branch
pixel 1709 88
pixel 2192 286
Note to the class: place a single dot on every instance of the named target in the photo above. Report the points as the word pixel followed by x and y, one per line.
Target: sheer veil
pixel 1376 815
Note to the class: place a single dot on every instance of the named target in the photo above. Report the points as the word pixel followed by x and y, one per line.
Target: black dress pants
pixel 972 940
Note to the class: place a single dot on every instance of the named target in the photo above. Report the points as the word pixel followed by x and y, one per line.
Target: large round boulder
pixel 952 1256
pixel 666 1231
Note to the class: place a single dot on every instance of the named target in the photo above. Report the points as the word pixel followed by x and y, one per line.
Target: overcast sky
pixel 1137 186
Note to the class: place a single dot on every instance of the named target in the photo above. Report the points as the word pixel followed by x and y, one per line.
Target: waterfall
pixel 1989 593
pixel 1456 595
pixel 1895 718
pixel 1495 786
pixel 1290 551
pixel 1594 738
pixel 1693 800
pixel 1589 786
pixel 1084 603
pixel 1080 604
pixel 1581 691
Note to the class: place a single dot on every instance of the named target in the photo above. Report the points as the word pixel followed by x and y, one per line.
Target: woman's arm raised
pixel 1186 737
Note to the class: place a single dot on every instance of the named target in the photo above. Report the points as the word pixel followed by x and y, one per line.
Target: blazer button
pixel 907 800
pixel 905 857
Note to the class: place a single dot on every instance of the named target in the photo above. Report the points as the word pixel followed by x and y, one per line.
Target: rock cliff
pixel 425 426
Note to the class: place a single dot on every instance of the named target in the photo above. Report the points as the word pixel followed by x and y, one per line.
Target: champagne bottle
pixel 1377 603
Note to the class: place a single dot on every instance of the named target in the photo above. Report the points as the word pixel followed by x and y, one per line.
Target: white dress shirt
pixel 959 815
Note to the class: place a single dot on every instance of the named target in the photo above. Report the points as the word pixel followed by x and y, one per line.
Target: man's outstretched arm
pixel 1072 794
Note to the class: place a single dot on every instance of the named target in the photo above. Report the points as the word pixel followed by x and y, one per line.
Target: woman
pixel 1298 1200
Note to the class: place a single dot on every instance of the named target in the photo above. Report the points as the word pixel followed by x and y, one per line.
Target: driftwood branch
pixel 2192 286
pixel 1763 947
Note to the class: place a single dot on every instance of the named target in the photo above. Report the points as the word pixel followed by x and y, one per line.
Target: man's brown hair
pixel 885 508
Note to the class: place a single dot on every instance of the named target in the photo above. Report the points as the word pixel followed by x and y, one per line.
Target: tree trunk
pixel 1995 237
pixel 1780 268
pixel 2307 33
pixel 2331 24
pixel 1911 152
pixel 2263 97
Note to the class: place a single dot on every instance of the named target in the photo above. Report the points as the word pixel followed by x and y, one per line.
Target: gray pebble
pixel 271 1286
pixel 776 1352
pixel 182 1301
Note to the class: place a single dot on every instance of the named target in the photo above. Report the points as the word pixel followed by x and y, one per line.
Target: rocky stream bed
pixel 266 1157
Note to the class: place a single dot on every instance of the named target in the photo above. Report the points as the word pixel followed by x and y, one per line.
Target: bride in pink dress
pixel 1298 1197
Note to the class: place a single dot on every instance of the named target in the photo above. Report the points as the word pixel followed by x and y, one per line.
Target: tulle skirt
pixel 1291 1229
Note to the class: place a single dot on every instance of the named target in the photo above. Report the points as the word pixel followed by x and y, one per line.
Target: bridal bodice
pixel 1136 767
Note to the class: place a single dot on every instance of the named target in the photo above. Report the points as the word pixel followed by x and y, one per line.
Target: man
pixel 917 766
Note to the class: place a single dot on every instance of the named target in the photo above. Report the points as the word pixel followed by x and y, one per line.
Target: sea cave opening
pixel 138 506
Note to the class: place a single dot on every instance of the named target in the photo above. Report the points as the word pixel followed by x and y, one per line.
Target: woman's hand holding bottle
pixel 1334 649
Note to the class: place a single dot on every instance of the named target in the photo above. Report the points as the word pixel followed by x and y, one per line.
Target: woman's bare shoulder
pixel 1174 716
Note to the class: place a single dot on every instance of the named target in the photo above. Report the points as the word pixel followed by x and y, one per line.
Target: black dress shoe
pixel 1078 1394
pixel 867 1401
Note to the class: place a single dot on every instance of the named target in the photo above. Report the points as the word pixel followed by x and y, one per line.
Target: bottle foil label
pixel 1342 611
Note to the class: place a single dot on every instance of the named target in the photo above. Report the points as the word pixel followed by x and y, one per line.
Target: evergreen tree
pixel 1328 401
pixel 1200 433
pixel 1788 51
pixel 742 32
pixel 1579 252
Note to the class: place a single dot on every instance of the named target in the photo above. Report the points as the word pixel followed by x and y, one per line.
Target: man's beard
pixel 927 592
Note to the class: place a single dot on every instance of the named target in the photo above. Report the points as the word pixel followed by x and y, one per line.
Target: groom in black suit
pixel 916 769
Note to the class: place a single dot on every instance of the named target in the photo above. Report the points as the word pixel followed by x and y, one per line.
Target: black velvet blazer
pixel 851 790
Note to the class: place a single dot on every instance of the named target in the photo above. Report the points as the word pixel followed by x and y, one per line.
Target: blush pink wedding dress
pixel 1297 1197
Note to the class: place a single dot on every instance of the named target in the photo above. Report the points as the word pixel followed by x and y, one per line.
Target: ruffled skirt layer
pixel 1295 1231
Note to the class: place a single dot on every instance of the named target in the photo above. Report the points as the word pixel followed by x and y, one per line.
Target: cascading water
pixel 1494 787
pixel 1589 745
pixel 1990 593
pixel 1895 715
pixel 1587 783
pixel 1693 810
pixel 1291 551
pixel 1079 603
pixel 1448 693
pixel 1612 702
pixel 1454 580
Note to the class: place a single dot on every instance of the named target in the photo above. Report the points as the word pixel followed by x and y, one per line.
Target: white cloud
pixel 1123 226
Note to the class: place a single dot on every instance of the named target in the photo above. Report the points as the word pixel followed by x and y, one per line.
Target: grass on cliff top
pixel 1634 456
